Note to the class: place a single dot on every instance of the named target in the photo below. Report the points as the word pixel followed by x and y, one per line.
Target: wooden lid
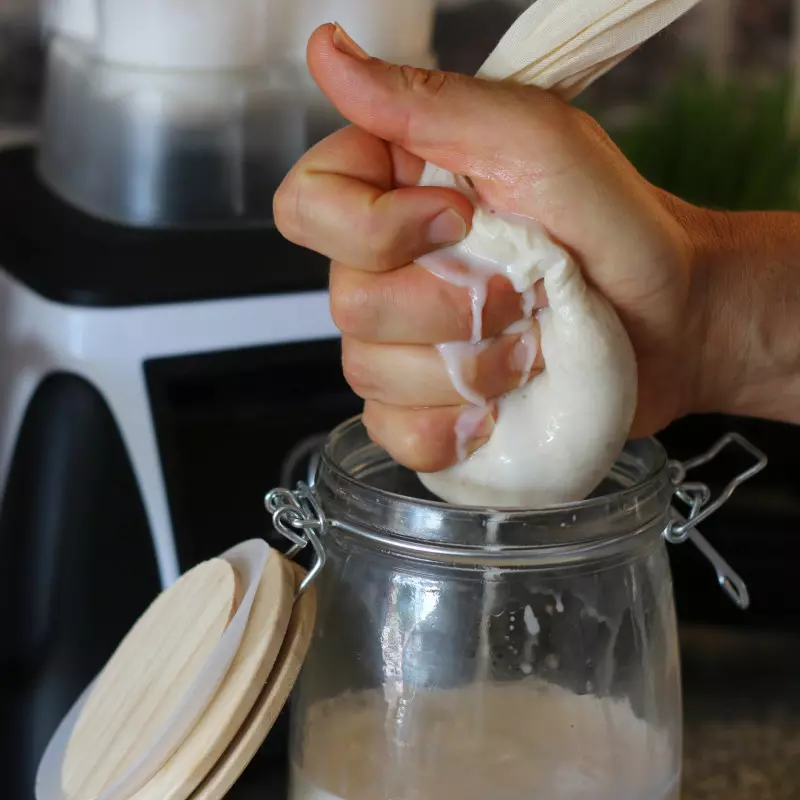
pixel 194 688
pixel 270 702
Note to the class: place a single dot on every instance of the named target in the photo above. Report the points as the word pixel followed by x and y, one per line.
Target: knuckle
pixel 352 308
pixel 288 205
pixel 554 108
pixel 414 439
pixel 556 117
pixel 585 121
pixel 427 82
pixel 421 83
pixel 591 131
pixel 282 206
pixel 462 315
pixel 454 314
pixel 383 242
pixel 420 446
pixel 357 369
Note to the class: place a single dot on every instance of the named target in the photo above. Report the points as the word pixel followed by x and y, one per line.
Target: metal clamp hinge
pixel 697 496
pixel 297 516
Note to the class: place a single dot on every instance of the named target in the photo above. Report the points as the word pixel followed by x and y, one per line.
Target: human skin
pixel 709 299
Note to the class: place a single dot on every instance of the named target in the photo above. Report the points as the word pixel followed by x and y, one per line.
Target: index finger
pixel 345 199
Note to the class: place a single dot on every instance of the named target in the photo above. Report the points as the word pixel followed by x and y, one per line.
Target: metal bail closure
pixel 697 497
pixel 297 516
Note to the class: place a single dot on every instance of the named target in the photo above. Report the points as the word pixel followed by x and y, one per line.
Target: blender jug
pixel 163 114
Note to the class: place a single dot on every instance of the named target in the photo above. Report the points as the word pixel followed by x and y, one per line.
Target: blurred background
pixel 717 89
pixel 709 110
pixel 21 64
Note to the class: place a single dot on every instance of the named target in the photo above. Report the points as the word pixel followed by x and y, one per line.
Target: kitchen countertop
pixel 742 719
pixel 742 715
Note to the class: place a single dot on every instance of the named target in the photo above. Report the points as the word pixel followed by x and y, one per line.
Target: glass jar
pixel 488 655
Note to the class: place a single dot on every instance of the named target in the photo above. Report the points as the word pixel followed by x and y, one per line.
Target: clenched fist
pixel 354 199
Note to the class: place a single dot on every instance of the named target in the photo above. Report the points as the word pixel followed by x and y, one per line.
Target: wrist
pixel 715 365
pixel 698 367
pixel 743 311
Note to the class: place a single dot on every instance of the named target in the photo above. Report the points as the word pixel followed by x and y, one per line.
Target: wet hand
pixel 354 199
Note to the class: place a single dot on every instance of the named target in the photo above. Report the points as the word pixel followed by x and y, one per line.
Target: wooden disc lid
pixel 192 690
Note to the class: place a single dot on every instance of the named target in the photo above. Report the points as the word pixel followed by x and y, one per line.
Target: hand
pixel 353 198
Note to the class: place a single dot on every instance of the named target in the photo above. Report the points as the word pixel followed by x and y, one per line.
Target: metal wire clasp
pixel 697 497
pixel 297 516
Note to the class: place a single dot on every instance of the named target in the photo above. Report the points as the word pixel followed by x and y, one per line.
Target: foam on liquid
pixel 526 740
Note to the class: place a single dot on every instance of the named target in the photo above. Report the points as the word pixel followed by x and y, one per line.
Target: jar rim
pixel 642 494
pixel 654 475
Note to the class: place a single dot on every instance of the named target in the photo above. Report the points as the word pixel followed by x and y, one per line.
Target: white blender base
pixel 108 348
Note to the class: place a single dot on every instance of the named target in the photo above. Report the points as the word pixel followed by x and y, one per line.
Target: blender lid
pixel 193 689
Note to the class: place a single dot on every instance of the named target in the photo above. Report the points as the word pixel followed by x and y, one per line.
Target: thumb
pixel 463 124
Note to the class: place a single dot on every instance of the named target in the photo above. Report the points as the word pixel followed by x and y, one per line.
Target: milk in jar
pixel 470 653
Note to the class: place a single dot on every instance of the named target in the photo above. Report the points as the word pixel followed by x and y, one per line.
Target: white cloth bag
pixel 557 437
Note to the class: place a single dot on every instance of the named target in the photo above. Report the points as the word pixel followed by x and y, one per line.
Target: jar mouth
pixel 380 494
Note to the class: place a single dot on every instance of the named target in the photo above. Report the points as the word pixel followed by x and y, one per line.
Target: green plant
pixel 727 147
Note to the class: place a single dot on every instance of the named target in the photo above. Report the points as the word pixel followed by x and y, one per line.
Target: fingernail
pixel 448 228
pixel 523 354
pixel 480 435
pixel 344 44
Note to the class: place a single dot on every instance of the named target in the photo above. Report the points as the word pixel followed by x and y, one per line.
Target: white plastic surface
pixel 108 347
pixel 77 19
pixel 168 148
pixel 223 34
pixel 249 560
pixel 399 31
pixel 201 34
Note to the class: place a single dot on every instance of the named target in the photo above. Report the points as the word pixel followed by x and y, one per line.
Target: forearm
pixel 746 301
